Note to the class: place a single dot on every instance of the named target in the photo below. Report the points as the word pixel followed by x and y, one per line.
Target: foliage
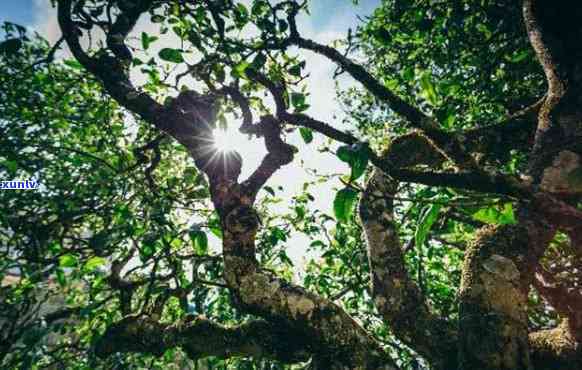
pixel 125 223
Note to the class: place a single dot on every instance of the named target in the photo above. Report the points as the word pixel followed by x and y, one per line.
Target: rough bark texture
pixel 497 272
pixel 336 340
pixel 199 338
pixel 556 349
pixel 396 296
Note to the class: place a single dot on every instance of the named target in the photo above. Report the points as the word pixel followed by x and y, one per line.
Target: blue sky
pixel 17 11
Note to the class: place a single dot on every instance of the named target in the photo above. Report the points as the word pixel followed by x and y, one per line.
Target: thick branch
pixel 555 349
pixel 337 340
pixel 396 296
pixel 200 338
pixel 189 119
pixel 108 69
pixel 497 273
pixel 554 32
pixel 477 181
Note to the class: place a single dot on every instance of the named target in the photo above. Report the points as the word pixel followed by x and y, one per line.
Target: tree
pixel 468 138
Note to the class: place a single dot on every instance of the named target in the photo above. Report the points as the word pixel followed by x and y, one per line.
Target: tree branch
pixel 566 300
pixel 396 296
pixel 279 154
pixel 414 116
pixel 496 276
pixel 108 69
pixel 200 337
pixel 480 181
pixel 555 349
pixel 337 340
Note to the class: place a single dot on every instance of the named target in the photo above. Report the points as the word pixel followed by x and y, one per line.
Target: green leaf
pixel 55 247
pixel 171 55
pixel 61 279
pixel 296 69
pixel 73 64
pixel 285 259
pixel 214 225
pixel 259 61
pixel 306 134
pixel 496 215
pixel 156 18
pixel 199 241
pixel 428 218
pixel 359 163
pixel 297 100
pixel 345 153
pixel 146 40
pixel 241 15
pixel 357 157
pixel 93 263
pixel 269 190
pixel 239 69
pixel 519 56
pixel 317 244
pixel 68 260
pixel 343 204
pixel 11 166
pixel 408 74
pixel 428 89
pixel 260 7
pixel 147 251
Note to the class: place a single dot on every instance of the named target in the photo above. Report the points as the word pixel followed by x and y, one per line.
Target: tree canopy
pixel 453 242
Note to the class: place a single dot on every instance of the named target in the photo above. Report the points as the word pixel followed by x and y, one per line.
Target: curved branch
pixel 479 181
pixel 279 154
pixel 396 296
pixel 554 33
pixel 189 119
pixel 109 70
pixel 276 89
pixel 415 117
pixel 497 273
pixel 336 339
pixel 125 22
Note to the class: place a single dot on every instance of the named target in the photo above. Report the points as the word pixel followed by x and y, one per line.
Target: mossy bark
pixel 493 331
pixel 396 296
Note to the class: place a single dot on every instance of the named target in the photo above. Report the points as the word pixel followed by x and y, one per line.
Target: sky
pixel 329 20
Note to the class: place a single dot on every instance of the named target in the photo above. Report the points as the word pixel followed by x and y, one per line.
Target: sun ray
pixel 223 140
